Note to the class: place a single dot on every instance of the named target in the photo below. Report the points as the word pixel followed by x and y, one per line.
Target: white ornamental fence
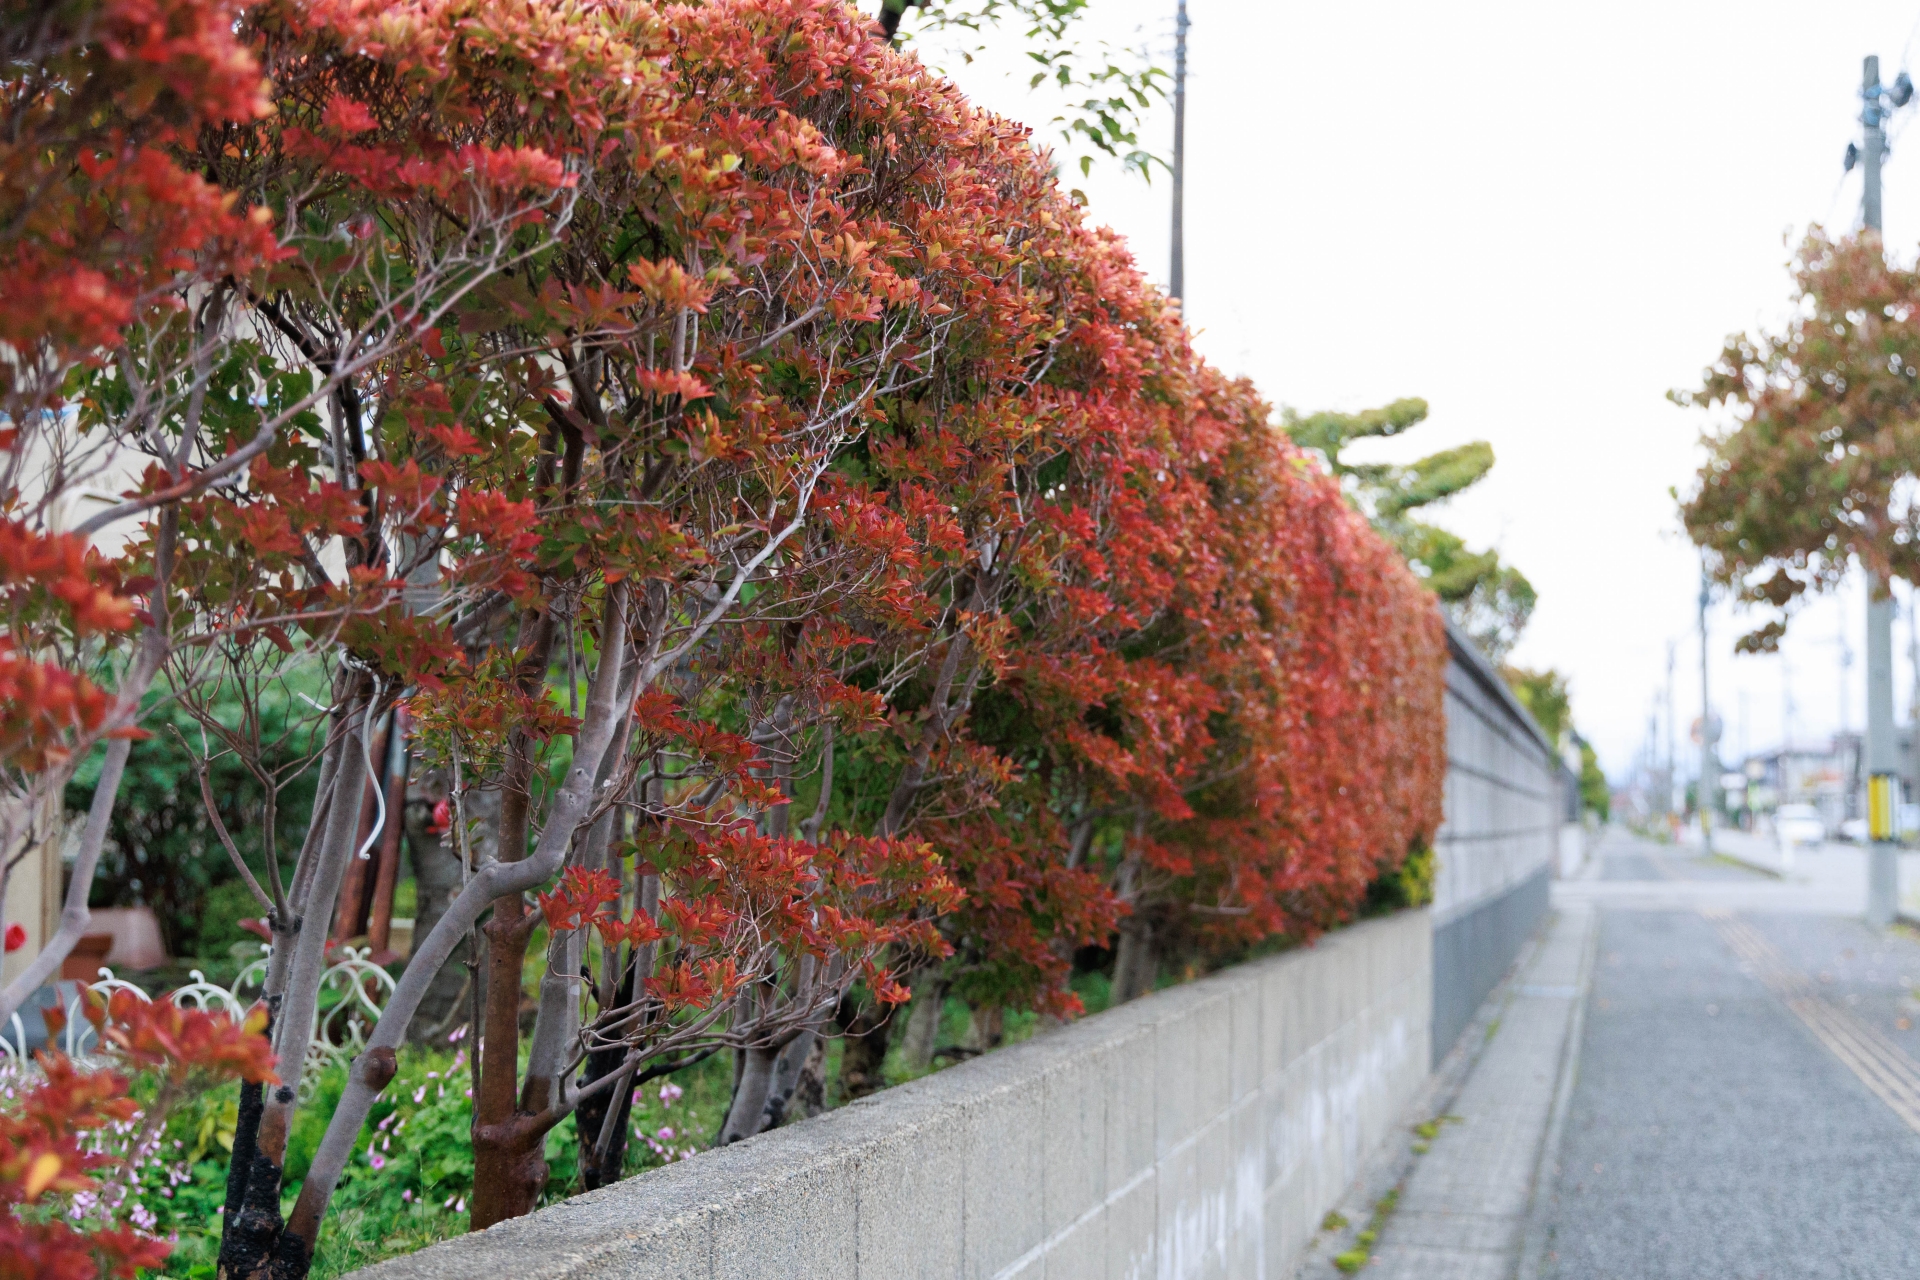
pixel 352 993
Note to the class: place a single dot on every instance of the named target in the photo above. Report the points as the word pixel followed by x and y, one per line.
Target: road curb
pixel 1751 864
pixel 1537 1235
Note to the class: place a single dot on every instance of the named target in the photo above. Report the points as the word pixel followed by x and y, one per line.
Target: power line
pixel 1907 48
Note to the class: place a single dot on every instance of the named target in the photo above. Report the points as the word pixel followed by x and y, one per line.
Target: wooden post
pixel 350 912
pixel 387 874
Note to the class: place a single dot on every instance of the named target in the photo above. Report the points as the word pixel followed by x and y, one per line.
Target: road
pixel 1746 1101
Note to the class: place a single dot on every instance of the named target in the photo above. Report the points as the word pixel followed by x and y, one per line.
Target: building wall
pixel 1497 845
pixel 1202 1131
pixel 33 901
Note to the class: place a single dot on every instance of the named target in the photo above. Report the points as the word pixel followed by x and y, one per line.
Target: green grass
pixel 408 1182
pixel 1362 1252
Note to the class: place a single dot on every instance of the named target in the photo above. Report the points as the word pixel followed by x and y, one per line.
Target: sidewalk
pixel 1462 1210
pixel 1833 868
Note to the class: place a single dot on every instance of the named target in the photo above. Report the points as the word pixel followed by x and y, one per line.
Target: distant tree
pixel 162 850
pixel 1817 471
pixel 1545 696
pixel 1489 600
pixel 1548 699
pixel 1595 794
pixel 1107 89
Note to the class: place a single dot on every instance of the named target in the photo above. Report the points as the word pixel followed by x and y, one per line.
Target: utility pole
pixel 1846 671
pixel 1709 732
pixel 1786 702
pixel 1882 758
pixel 1673 761
pixel 1177 276
pixel 1913 656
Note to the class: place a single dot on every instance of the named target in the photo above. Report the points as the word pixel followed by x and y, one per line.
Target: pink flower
pixel 407 1196
pixel 670 1093
pixel 377 1160
pixel 666 1134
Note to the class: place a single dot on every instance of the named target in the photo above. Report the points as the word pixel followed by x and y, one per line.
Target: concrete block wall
pixel 1199 1133
pixel 1498 843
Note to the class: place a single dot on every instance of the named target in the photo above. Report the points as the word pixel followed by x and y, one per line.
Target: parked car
pixel 1854 830
pixel 1798 824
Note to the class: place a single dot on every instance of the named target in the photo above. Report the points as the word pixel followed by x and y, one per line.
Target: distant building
pixel 1829 778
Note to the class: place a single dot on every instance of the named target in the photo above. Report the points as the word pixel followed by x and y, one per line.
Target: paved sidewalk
pixel 1697 1071
pixel 1833 868
pixel 1463 1212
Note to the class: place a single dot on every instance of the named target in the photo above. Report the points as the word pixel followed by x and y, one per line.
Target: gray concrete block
pixel 1277 1029
pixel 1212 1035
pixel 1132 1218
pixel 805 1222
pixel 1132 1110
pixel 1176 1068
pixel 1080 1251
pixel 1246 1063
pixel 909 1197
pixel 1073 1148
pixel 1002 1176
pixel 1246 1189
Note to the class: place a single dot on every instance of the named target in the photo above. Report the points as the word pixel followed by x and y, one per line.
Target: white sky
pixel 1540 218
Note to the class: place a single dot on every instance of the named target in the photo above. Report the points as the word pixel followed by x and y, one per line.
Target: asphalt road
pixel 1724 1120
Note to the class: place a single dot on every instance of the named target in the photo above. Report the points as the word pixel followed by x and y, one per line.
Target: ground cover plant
pixel 80 1142
pixel 816 568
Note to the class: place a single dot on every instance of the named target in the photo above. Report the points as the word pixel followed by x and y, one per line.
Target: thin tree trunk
pixel 986 1028
pixel 1134 965
pixel 436 878
pixel 1135 968
pixel 757 1082
pixel 809 1095
pixel 748 1113
pixel 867 1033
pixel 255 1241
pixel 787 1069
pixel 789 1072
pixel 509 1165
pixel 603 1152
pixel 356 888
pixel 923 1019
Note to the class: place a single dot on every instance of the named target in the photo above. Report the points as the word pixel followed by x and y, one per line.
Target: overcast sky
pixel 1541 218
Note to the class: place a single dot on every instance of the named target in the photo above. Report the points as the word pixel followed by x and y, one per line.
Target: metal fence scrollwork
pixel 352 993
